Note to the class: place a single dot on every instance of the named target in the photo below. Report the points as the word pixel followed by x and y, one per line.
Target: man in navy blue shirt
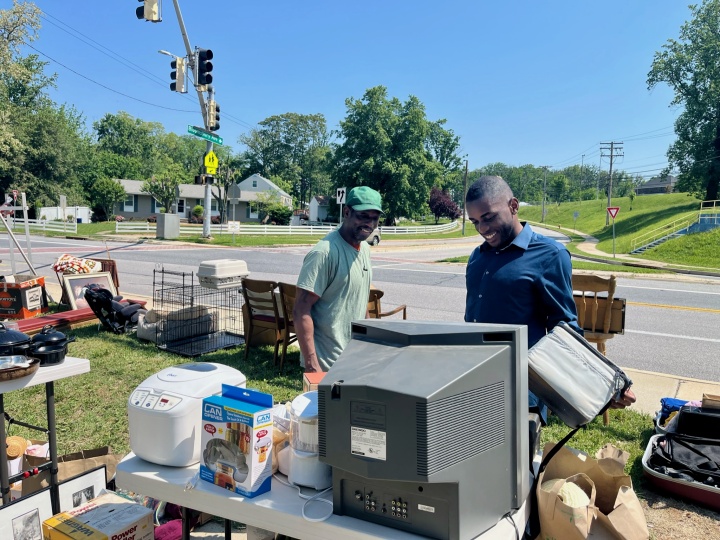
pixel 516 276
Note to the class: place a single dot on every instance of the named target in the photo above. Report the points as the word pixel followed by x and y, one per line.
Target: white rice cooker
pixel 165 411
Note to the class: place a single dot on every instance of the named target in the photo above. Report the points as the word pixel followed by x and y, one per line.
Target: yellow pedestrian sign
pixel 211 162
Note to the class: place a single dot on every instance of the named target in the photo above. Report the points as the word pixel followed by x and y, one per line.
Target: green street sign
pixel 200 132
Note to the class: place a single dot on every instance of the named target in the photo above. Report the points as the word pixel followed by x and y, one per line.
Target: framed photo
pixel 74 284
pixel 82 488
pixel 22 519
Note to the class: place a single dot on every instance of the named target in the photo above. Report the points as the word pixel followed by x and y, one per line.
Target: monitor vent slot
pixel 445 434
pixel 321 423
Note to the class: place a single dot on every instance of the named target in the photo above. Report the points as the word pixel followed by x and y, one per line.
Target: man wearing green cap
pixel 334 283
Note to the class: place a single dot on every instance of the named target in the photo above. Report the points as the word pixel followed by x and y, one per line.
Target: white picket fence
pixel 275 230
pixel 43 225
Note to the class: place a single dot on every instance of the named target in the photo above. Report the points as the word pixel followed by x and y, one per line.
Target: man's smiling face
pixel 360 225
pixel 496 220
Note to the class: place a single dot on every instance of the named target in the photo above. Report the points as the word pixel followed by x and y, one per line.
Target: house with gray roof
pixel 140 205
pixel 665 184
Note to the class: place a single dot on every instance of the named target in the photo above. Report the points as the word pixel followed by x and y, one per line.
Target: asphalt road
pixel 671 322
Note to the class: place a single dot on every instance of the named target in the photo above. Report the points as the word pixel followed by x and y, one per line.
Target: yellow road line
pixel 667 306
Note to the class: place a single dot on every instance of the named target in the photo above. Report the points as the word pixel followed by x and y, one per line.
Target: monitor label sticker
pixel 368 443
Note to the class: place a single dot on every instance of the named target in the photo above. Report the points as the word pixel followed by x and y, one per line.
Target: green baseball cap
pixel 364 198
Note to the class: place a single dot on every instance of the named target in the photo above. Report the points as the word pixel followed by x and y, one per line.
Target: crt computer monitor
pixel 425 425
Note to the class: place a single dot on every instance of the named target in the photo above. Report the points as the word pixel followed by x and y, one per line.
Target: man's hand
pixel 626 399
pixel 311 364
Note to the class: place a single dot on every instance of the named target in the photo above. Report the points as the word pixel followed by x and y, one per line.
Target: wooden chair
pixel 287 303
pixel 590 291
pixel 374 309
pixel 263 312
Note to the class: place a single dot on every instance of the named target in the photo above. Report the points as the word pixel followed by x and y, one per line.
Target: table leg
pixel 4 477
pixel 52 440
pixel 185 524
pixel 228 529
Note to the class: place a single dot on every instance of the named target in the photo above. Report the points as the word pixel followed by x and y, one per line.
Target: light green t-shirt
pixel 340 275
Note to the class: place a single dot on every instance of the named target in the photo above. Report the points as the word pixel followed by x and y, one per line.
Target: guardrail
pixel 44 225
pixel 276 230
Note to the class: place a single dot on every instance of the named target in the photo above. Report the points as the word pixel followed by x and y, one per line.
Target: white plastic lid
pixel 305 405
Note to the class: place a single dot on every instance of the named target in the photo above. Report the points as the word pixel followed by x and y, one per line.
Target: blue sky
pixel 540 82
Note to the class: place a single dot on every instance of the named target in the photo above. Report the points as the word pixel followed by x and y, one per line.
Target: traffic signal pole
pixel 203 110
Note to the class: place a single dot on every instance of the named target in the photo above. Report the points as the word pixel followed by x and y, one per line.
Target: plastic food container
pixel 304 422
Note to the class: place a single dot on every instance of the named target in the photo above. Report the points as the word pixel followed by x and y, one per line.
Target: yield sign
pixel 613 211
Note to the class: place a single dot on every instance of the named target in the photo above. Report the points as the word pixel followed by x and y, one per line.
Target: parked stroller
pixel 116 315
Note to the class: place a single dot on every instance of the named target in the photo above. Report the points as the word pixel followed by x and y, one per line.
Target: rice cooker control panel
pixel 146 399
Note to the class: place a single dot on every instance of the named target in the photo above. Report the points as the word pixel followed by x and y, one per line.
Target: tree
pixel 105 193
pixel 384 147
pixel 163 187
pixel 690 66
pixel 441 205
pixel 288 148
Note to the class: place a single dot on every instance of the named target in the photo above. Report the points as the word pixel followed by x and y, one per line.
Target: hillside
pixel 648 213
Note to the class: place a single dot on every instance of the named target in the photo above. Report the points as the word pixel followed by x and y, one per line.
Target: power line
pixel 127 63
pixel 107 87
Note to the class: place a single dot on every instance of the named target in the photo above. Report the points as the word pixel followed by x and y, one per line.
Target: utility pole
pixel 615 150
pixel 464 195
pixel 544 192
pixel 582 177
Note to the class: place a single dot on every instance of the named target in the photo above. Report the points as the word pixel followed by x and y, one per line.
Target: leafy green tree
pixel 105 193
pixel 288 148
pixel 164 186
pixel 690 66
pixel 131 138
pixel 384 147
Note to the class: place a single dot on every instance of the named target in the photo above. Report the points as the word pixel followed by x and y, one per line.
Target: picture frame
pixel 74 284
pixel 81 488
pixel 22 518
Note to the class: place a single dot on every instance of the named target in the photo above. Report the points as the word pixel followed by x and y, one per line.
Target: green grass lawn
pixel 699 249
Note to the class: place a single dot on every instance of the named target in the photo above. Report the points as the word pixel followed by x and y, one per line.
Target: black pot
pixel 50 336
pixel 14 342
pixel 50 355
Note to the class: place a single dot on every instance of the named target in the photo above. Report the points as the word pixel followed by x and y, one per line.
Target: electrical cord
pixel 308 499
pixel 509 517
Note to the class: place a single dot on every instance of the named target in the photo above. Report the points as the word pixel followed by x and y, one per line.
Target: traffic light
pixel 178 75
pixel 179 68
pixel 150 10
pixel 213 115
pixel 203 67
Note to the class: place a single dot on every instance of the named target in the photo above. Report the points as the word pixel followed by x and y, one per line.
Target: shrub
pixel 119 218
pixel 197 211
pixel 152 219
pixel 195 219
pixel 161 210
pixel 215 220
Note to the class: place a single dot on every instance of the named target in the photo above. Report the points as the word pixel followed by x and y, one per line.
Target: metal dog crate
pixel 193 320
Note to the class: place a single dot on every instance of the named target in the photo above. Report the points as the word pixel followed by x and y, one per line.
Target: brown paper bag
pixel 618 515
pixel 557 519
pixel 70 465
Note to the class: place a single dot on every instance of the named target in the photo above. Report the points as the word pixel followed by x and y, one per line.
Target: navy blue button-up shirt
pixel 528 282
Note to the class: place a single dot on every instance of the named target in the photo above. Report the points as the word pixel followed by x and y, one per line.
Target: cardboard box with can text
pixel 236 440
pixel 106 516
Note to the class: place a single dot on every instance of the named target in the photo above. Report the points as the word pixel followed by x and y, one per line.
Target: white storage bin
pixel 222 273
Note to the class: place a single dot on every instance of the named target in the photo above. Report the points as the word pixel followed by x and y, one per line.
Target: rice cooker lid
pixel 195 379
pixel 305 405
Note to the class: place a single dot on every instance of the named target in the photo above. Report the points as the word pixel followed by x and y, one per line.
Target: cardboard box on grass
pixel 311 380
pixel 236 440
pixel 106 516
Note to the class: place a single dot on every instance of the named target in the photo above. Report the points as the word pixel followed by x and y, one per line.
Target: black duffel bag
pixel 687 457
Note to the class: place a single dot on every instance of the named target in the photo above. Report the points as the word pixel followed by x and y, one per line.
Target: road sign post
pixel 340 197
pixel 613 211
pixel 203 134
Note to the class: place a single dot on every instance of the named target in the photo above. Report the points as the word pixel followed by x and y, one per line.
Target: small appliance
pixel 165 411
pixel 305 467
